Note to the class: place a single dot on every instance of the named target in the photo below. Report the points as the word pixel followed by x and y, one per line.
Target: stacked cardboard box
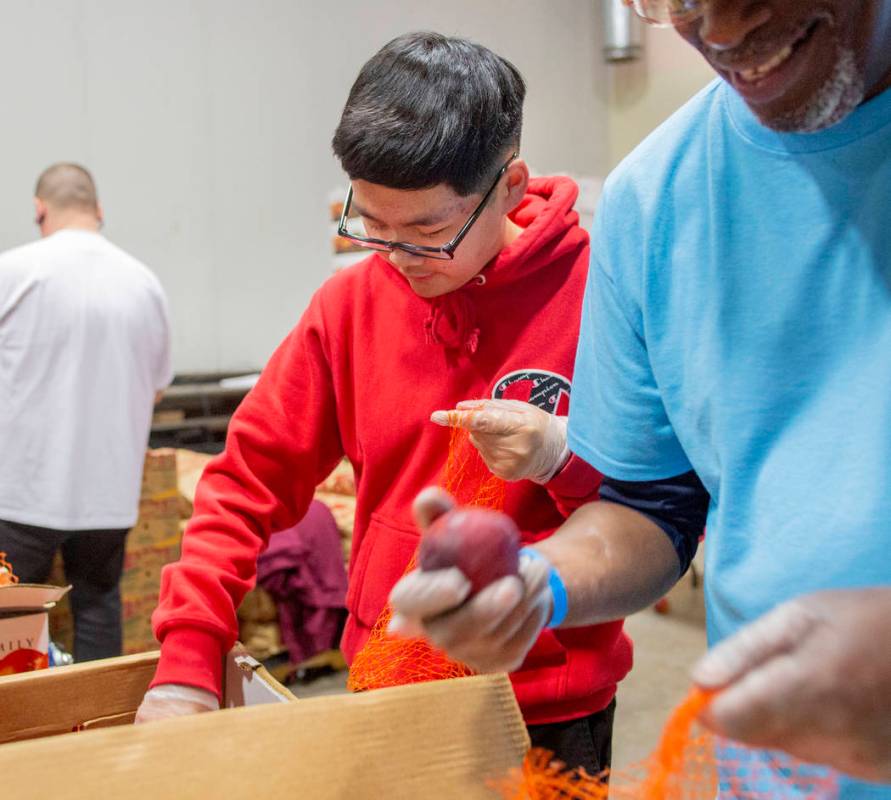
pixel 153 542
pixel 258 625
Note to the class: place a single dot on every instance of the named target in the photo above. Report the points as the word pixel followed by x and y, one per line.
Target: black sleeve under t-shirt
pixel 678 505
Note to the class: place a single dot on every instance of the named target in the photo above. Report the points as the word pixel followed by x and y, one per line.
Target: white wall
pixel 642 94
pixel 207 124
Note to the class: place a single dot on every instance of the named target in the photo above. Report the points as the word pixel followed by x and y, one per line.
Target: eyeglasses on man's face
pixel 445 252
pixel 667 13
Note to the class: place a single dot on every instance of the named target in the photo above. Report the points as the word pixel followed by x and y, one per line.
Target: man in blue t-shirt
pixel 735 361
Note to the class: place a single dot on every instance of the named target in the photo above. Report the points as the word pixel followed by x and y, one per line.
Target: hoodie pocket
pixel 383 559
pixel 547 652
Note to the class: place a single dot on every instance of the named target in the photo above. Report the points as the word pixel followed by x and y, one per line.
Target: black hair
pixel 428 109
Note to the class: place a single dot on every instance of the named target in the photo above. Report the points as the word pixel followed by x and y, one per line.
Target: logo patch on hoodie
pixel 547 390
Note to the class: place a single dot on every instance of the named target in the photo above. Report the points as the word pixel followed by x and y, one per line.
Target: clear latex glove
pixel 491 631
pixel 517 440
pixel 813 678
pixel 174 700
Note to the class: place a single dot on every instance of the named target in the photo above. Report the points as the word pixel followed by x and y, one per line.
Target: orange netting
pixel 466 476
pixel 387 660
pixel 689 763
pixel 7 576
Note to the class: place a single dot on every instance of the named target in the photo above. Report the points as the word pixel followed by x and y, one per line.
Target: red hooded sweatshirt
pixel 359 376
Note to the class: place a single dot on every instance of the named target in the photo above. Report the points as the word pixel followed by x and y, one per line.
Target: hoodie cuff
pixel 577 478
pixel 191 657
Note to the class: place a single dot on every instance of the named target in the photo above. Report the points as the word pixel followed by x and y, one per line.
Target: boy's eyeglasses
pixel 444 253
pixel 667 13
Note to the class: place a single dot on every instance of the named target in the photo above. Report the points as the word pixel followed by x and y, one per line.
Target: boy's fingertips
pixel 397 624
pixel 440 418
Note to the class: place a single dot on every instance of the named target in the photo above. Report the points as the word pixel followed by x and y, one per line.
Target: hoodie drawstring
pixel 452 323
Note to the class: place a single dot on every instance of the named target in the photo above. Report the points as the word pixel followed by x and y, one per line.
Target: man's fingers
pixel 774 633
pixel 761 708
pixel 430 504
pixel 423 594
pixel 506 646
pixel 483 613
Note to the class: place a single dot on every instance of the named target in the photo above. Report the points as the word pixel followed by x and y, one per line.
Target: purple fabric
pixel 303 571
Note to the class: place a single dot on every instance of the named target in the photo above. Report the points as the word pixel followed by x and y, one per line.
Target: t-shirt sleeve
pixel 617 421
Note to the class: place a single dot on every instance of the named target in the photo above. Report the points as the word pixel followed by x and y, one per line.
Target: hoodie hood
pixel 550 232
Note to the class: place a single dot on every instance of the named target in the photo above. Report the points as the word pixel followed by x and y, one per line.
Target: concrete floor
pixel 665 647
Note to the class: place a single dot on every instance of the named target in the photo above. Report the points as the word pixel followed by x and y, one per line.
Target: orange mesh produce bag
pixel 394 661
pixel 688 764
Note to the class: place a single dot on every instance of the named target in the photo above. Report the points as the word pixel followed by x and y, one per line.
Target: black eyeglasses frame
pixel 445 252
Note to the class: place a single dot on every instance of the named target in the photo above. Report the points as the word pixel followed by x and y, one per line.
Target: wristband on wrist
pixel 555 584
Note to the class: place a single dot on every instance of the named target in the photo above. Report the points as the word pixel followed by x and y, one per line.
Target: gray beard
pixel 839 96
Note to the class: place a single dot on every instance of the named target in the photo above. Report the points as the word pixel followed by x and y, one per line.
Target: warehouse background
pixel 207 124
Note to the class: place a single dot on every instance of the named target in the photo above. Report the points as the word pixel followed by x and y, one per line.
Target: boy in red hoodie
pixel 475 292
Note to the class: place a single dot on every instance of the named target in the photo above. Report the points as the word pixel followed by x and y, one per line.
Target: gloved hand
pixel 173 700
pixel 812 678
pixel 491 631
pixel 517 440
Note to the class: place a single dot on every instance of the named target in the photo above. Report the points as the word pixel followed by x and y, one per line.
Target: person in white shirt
pixel 84 352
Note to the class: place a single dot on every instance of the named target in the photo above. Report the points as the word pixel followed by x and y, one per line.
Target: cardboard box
pixel 437 741
pixel 159 474
pixel 24 626
pixel 102 694
pixel 163 510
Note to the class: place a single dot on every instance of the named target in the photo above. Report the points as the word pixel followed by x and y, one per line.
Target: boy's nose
pixel 402 260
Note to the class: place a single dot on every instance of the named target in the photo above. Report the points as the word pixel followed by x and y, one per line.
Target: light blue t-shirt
pixel 737 322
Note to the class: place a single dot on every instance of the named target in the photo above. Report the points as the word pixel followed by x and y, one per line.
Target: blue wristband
pixel 555 584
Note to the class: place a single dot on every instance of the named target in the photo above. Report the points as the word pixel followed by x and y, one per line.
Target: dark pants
pixel 585 742
pixel 93 564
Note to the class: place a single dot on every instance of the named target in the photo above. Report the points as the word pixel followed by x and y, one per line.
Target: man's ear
pixel 39 211
pixel 516 183
pixel 100 214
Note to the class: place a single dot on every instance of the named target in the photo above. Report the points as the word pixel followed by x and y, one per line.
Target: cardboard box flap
pixel 438 741
pixel 46 703
pixel 241 685
pixel 100 694
pixel 30 596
